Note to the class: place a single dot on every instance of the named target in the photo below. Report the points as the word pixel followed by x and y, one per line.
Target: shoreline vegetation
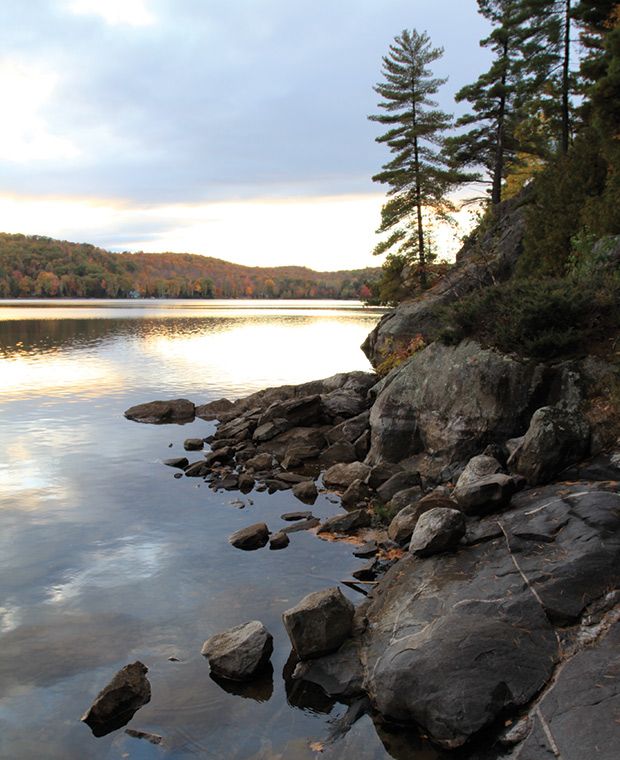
pixel 33 266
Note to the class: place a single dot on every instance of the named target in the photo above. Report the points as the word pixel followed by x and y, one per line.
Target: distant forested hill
pixel 31 265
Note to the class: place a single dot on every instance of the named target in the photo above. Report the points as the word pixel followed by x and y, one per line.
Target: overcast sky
pixel 232 128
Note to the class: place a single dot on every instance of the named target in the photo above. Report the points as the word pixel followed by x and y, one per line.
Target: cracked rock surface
pixel 456 643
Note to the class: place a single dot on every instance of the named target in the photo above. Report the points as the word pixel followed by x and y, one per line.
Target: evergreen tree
pixel 418 176
pixel 491 143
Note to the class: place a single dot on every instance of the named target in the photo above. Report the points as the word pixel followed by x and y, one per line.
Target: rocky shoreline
pixel 483 489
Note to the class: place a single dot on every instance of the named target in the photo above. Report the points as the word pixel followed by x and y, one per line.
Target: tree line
pixel 36 266
pixel 537 116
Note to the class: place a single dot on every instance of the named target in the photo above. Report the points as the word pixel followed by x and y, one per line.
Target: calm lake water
pixel 106 558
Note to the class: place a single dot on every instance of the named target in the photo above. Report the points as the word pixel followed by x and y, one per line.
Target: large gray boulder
pixel 437 530
pixel 456 640
pixel 162 412
pixel 447 402
pixel 240 652
pixel 117 703
pixel 319 623
pixel 555 439
pixel 486 258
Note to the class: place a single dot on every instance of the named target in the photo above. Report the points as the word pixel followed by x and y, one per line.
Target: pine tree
pixel 418 175
pixel 495 96
pixel 545 72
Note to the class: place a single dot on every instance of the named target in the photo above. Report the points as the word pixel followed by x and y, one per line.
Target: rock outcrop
pixel 161 412
pixel 452 642
pixel 485 259
pixel 446 403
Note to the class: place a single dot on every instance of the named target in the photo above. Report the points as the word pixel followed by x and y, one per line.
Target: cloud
pixel 163 101
pixel 115 12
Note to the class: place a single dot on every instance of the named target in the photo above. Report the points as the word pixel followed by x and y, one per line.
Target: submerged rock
pixel 319 623
pixel 117 703
pixel 240 652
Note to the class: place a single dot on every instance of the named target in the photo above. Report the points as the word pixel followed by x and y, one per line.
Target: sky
pixel 230 128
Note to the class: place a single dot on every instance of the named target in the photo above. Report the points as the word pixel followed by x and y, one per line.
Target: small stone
pixel 369 549
pixel 260 462
pixel 197 469
pixel 351 521
pixel 399 482
pixel 246 482
pixel 180 462
pixel 250 538
pixel 178 475
pixel 308 524
pixel 240 652
pixel 293 516
pixel 279 540
pixel 152 738
pixel 193 444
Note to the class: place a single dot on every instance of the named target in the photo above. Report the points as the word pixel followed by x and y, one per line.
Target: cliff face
pixel 489 257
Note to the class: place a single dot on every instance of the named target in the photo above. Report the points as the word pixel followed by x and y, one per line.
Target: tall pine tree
pixel 491 142
pixel 418 175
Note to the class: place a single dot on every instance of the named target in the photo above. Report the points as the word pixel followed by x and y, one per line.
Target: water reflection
pixel 105 558
pixel 224 350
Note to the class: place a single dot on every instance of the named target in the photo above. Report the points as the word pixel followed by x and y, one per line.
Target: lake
pixel 107 558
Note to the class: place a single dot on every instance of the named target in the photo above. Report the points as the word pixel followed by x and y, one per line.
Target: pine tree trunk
pixel 565 80
pixel 418 196
pixel 498 168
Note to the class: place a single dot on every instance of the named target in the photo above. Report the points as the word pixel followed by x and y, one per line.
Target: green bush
pixel 538 318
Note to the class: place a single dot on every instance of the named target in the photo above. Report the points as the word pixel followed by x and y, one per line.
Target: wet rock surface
pixel 160 412
pixel 250 538
pixel 319 623
pixel 117 703
pixel 240 652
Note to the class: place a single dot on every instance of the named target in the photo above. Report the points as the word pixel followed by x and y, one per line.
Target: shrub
pixel 538 318
pixel 397 356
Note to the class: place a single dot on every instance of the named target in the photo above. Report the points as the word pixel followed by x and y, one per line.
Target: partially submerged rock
pixel 160 412
pixel 240 652
pixel 193 444
pixel 117 703
pixel 214 409
pixel 306 491
pixel 279 540
pixel 319 623
pixel 346 523
pixel 250 538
